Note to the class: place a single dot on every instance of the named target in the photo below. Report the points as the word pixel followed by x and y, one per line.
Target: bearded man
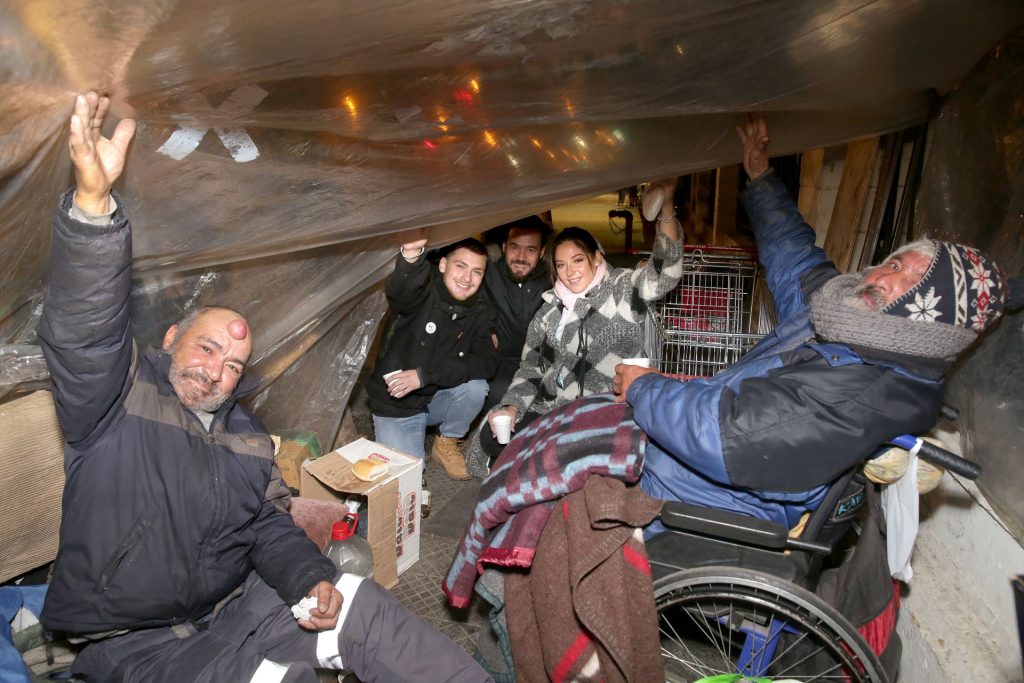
pixel 854 361
pixel 178 560
pixel 514 285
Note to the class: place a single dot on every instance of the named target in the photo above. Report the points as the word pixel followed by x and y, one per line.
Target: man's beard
pixel 190 396
pixel 519 278
pixel 850 289
pixel 840 314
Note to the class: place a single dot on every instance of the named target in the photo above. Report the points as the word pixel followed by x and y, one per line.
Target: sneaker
pixel 447 451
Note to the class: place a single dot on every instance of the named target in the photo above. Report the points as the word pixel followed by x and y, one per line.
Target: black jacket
pixel 515 304
pixel 161 518
pixel 447 341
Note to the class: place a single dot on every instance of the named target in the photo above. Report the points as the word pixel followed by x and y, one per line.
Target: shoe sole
pixel 457 477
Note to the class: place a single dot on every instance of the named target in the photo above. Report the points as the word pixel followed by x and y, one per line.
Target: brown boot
pixel 446 450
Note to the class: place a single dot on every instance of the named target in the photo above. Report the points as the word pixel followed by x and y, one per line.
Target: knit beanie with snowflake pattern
pixel 961 287
pixel 961 294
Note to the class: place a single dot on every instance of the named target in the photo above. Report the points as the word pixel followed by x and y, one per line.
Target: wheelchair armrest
pixel 735 527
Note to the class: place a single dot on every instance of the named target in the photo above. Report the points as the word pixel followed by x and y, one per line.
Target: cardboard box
pixel 289 458
pixel 31 483
pixel 393 502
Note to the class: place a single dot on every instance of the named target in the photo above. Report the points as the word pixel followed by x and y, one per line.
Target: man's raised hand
pixel 414 242
pixel 98 161
pixel 756 144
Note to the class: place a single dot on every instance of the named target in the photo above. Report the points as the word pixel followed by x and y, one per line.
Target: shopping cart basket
pixel 720 309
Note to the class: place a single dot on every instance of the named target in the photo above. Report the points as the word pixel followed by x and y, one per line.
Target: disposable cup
pixel 502 428
pixel 642 362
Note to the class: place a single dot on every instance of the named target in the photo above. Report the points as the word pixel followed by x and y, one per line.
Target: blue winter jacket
pixel 766 436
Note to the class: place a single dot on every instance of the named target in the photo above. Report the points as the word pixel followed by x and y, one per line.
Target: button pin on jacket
pixel 431 327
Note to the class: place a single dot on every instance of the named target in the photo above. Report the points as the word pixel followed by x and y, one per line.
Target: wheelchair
pixel 735 594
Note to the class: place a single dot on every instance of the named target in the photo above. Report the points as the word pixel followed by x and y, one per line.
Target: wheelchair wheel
pixel 729 620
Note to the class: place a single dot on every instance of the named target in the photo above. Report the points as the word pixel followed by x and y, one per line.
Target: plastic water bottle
pixel 350 553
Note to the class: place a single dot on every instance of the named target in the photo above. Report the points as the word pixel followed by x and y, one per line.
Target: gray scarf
pixel 838 317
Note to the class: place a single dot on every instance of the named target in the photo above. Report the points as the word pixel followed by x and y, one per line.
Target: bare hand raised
pixel 98 161
pixel 414 243
pixel 667 214
pixel 756 145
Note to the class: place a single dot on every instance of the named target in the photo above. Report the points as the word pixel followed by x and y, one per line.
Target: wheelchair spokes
pixel 732 621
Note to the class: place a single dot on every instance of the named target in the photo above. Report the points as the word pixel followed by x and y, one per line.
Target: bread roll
pixel 369 470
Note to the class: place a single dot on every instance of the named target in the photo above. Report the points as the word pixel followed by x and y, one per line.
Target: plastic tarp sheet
pixel 973 191
pixel 284 147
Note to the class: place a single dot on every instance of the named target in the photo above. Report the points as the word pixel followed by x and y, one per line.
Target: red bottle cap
pixel 345 528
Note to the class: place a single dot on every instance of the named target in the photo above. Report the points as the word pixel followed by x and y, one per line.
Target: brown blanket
pixel 585 610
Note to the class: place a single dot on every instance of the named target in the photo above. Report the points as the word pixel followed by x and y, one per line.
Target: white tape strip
pixel 327 641
pixel 182 142
pixel 269 672
pixel 188 137
pixel 239 144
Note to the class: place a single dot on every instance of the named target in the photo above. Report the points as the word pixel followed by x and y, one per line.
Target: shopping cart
pixel 720 309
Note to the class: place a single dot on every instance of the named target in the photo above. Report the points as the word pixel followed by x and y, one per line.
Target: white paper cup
pixel 642 362
pixel 502 428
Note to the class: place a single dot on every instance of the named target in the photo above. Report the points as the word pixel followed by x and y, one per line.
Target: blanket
pixel 585 611
pixel 553 456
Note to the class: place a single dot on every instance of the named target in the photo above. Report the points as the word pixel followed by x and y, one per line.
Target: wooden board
pixel 727 182
pixel 858 168
pixel 811 163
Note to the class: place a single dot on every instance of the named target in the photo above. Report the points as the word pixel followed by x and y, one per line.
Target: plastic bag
pixel 900 504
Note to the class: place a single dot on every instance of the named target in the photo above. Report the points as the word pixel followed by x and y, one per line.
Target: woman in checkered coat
pixel 592 319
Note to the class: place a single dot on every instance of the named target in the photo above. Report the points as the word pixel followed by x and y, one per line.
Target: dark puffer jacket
pixel 448 341
pixel 161 518
pixel 515 304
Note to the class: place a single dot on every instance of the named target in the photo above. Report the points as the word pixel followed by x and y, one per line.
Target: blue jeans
pixel 453 409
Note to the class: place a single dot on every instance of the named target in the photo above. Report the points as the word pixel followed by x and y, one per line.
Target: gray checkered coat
pixel 613 316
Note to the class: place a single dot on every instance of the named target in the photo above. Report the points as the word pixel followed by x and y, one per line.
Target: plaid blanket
pixel 553 456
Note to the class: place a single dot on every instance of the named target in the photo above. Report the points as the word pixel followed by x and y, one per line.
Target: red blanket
pixel 585 610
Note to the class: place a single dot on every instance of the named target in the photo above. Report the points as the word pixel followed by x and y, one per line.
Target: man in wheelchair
pixel 854 361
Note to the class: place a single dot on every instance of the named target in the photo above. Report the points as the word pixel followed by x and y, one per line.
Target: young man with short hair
pixel 438 353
